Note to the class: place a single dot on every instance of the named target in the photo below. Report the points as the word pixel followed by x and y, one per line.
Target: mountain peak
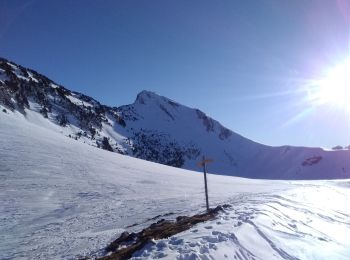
pixel 145 95
pixel 149 97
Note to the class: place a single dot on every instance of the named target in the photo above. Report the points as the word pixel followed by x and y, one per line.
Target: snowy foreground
pixel 60 198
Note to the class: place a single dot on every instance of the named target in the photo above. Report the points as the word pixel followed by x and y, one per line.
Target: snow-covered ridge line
pixel 159 129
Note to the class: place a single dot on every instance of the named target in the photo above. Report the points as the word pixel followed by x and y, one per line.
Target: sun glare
pixel 334 89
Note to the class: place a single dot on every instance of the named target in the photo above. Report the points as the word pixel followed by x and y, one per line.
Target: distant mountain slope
pixel 158 129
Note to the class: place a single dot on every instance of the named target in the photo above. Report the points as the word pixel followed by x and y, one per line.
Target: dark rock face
pixel 207 121
pixel 105 144
pixel 311 161
pixel 23 85
pixel 158 147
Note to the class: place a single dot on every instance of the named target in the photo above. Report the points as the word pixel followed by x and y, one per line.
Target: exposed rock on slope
pixel 158 129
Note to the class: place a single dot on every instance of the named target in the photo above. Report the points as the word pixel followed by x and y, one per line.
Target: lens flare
pixel 334 89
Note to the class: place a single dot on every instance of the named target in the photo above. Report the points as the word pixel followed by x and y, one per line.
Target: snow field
pixel 60 198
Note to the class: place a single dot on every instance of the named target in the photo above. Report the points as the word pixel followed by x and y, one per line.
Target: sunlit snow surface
pixel 60 198
pixel 268 226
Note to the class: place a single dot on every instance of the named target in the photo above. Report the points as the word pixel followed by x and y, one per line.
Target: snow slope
pixel 60 198
pixel 233 154
pixel 161 130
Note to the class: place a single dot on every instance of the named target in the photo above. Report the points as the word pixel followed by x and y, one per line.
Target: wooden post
pixel 205 183
pixel 203 164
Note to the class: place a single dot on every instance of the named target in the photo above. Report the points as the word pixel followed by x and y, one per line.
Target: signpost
pixel 203 164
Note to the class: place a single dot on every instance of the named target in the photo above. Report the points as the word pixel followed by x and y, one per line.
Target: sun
pixel 334 88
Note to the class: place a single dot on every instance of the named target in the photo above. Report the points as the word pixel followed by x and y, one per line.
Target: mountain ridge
pixel 158 129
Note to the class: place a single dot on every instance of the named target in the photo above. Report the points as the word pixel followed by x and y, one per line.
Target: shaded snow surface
pixel 60 198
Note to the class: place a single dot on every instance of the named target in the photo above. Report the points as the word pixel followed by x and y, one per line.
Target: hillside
pixel 160 130
pixel 63 199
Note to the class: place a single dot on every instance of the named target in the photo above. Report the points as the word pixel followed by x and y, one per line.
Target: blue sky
pixel 242 62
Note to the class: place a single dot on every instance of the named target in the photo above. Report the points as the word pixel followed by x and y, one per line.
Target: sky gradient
pixel 244 63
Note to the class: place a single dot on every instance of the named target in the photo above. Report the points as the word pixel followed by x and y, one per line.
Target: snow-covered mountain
pixel 62 199
pixel 158 129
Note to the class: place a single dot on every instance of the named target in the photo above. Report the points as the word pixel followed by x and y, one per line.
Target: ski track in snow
pixel 60 198
pixel 264 226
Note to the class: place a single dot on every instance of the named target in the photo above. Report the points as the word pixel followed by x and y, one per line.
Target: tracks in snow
pixel 262 226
